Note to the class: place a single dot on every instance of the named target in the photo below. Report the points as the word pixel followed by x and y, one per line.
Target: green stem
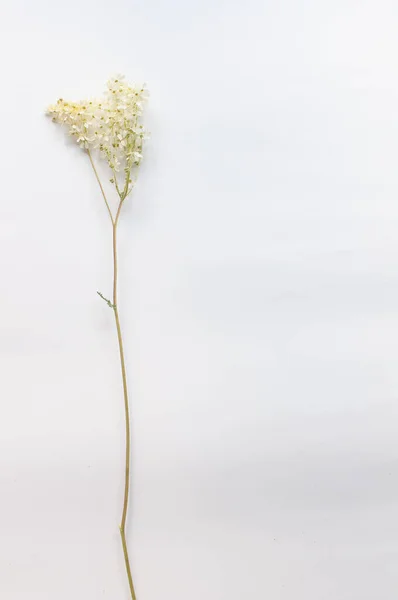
pixel 113 305
pixel 126 411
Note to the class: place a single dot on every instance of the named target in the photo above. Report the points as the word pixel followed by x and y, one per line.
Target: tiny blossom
pixel 112 124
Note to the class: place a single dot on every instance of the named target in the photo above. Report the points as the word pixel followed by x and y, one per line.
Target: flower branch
pixel 111 128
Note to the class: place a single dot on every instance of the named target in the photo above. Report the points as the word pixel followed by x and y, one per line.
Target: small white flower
pixel 111 124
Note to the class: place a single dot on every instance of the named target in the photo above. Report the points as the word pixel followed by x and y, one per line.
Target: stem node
pixel 109 303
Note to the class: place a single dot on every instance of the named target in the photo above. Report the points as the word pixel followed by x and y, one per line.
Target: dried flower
pixel 112 125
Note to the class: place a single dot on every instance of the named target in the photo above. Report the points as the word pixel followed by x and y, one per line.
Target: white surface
pixel 259 300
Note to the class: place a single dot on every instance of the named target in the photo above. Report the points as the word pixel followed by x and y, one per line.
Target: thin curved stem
pixel 100 184
pixel 114 306
pixel 126 409
pixel 116 182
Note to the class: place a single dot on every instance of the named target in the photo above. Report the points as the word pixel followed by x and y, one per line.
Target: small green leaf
pixel 109 303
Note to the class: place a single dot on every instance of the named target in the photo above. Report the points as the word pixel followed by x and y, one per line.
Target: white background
pixel 258 295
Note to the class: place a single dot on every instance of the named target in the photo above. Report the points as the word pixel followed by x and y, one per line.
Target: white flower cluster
pixel 110 124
